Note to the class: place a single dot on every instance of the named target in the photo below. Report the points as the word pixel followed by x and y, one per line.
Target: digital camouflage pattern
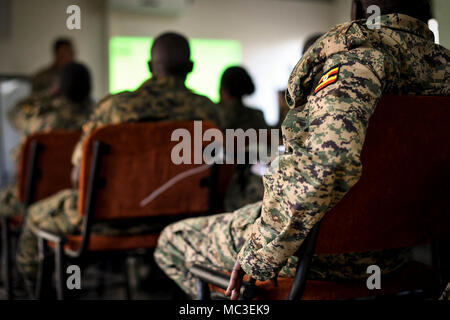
pixel 40 113
pixel 323 135
pixel 156 100
pixel 245 187
pixel 45 80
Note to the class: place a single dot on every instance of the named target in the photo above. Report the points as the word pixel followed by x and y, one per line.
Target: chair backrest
pixel 135 163
pixel 45 164
pixel 401 198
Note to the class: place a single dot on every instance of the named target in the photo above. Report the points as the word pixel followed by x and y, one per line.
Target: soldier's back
pixel 156 100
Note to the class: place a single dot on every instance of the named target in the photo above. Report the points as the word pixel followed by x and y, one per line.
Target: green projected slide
pixel 128 57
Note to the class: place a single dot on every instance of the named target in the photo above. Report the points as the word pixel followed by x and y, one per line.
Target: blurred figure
pixel 45 80
pixel 235 84
pixel 67 108
pixel 245 187
pixel 282 105
pixel 162 97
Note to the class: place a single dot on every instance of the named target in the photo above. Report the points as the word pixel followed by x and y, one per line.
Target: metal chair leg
pixel 203 290
pixel 59 268
pixel 6 246
pixel 126 271
pixel 44 280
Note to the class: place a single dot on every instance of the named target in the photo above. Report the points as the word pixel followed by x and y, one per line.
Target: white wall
pixel 442 13
pixel 34 26
pixel 271 33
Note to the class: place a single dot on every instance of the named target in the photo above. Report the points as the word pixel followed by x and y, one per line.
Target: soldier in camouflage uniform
pixel 245 187
pixel 332 92
pixel 162 97
pixel 47 79
pixel 68 108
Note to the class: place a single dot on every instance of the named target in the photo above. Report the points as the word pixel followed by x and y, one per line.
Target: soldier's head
pixel 419 9
pixel 63 51
pixel 170 56
pixel 75 82
pixel 235 83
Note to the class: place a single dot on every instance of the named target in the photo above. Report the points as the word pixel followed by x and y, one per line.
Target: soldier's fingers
pixel 236 275
pixel 237 289
pixel 234 279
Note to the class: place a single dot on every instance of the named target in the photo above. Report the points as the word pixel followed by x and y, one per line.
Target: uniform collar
pixel 165 82
pixel 406 24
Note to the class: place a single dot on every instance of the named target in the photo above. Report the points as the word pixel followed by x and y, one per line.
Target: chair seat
pixel 413 276
pixel 99 242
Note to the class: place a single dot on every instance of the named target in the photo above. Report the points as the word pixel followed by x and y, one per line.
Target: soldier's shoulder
pixel 110 100
pixel 201 99
pixel 345 37
pixel 46 71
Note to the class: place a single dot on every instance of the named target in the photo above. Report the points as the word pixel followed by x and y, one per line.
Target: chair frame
pixel 94 183
pixel 7 233
pixel 206 276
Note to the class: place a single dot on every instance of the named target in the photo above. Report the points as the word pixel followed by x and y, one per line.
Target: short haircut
pixel 61 42
pixel 171 52
pixel 237 82
pixel 419 9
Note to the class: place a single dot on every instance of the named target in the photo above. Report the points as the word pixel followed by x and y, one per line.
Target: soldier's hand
pixel 236 278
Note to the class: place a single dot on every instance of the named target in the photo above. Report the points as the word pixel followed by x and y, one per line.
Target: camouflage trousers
pixel 58 214
pixel 214 242
pixel 244 188
pixel 9 203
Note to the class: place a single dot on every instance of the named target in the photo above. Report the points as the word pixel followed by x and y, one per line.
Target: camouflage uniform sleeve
pixel 319 167
pixel 101 115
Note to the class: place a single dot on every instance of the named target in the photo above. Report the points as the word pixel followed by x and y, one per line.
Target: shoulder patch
pixel 328 78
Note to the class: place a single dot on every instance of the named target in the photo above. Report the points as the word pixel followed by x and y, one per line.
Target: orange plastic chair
pixel 121 166
pixel 400 201
pixel 44 168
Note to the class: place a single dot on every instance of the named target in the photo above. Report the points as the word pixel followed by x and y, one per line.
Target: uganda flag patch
pixel 327 79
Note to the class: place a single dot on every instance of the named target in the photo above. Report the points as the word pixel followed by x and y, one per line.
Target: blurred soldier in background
pixel 236 83
pixel 162 97
pixel 46 80
pixel 283 108
pixel 67 108
pixel 245 187
pixel 333 91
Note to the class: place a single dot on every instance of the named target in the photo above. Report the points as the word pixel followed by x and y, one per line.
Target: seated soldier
pixel 162 97
pixel 45 80
pixel 245 187
pixel 66 108
pixel 333 91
